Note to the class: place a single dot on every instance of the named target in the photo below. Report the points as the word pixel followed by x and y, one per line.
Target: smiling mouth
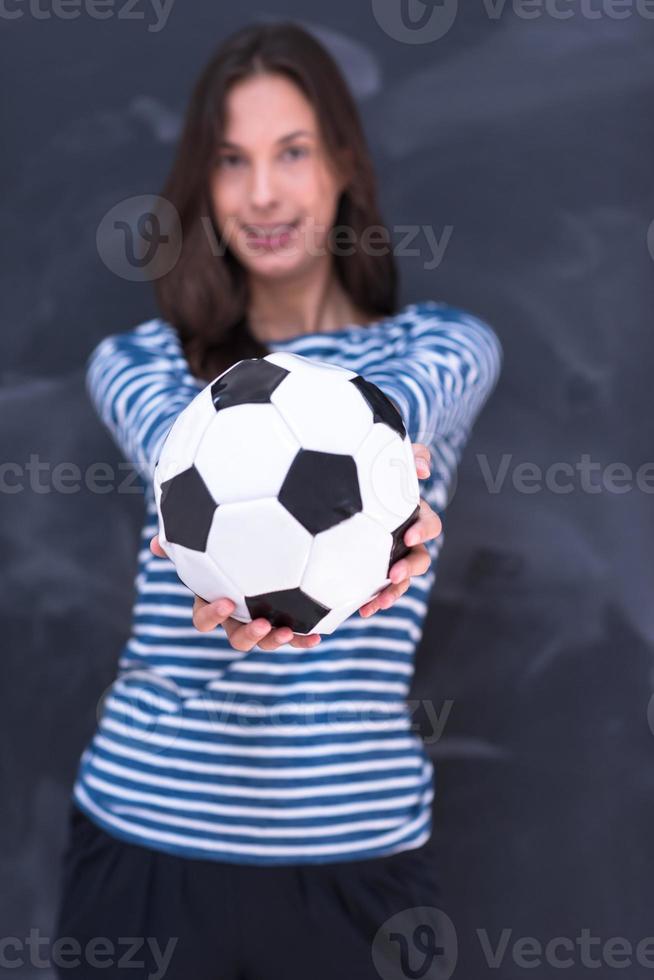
pixel 272 231
pixel 277 237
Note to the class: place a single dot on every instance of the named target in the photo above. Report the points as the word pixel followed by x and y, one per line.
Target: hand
pixel 417 562
pixel 242 636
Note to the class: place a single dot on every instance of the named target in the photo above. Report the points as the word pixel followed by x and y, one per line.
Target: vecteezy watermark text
pixel 140 238
pixel 425 21
pixel 583 475
pixel 564 477
pixel 147 706
pixel 43 476
pixel 143 953
pixel 423 942
pixel 93 9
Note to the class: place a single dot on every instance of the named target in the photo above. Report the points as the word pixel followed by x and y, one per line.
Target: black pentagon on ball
pixel 290 607
pixel 383 409
pixel 187 509
pixel 399 548
pixel 321 489
pixel 251 381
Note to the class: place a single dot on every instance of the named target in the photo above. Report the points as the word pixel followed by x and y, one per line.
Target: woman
pixel 251 806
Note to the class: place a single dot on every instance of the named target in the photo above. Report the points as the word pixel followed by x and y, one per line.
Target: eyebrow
pixel 282 139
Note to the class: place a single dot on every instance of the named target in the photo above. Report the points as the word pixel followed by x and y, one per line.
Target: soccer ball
pixel 287 485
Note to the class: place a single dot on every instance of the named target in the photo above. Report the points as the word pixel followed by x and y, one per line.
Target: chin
pixel 275 266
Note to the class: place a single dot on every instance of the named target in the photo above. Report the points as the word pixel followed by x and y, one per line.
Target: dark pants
pixel 134 912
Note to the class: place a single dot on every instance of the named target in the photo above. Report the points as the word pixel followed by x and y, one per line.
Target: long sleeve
pixel 138 385
pixel 440 371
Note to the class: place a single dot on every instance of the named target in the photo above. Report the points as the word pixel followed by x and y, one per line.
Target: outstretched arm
pixel 439 371
pixel 136 381
pixel 439 374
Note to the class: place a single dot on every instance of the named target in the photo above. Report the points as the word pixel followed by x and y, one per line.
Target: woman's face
pixel 274 191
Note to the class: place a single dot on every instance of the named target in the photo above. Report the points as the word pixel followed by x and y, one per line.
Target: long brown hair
pixel 205 295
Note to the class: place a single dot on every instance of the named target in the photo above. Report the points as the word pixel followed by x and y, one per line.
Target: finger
pixel 284 634
pixel 276 638
pixel 411 564
pixel 368 608
pixel 420 449
pixel 427 526
pixel 385 598
pixel 415 563
pixel 392 593
pixel 303 642
pixel 156 548
pixel 422 458
pixel 371 606
pixel 208 615
pixel 244 636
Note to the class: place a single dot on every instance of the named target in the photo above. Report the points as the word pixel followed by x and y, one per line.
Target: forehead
pixel 265 108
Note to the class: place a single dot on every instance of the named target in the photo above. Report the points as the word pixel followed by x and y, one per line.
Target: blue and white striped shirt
pixel 290 756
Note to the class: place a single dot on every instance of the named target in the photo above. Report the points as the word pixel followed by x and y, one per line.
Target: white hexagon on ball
pixel 323 416
pixel 349 559
pixel 387 476
pixel 265 549
pixel 245 453
pixel 184 437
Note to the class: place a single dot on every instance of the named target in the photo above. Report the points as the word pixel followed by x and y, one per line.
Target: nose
pixel 262 192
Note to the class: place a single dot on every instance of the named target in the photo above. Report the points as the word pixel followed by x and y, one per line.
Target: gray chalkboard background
pixel 524 139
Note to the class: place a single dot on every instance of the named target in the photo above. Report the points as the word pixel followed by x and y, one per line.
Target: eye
pixel 299 151
pixel 227 159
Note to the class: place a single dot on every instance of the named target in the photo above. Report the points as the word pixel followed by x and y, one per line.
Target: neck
pixel 311 302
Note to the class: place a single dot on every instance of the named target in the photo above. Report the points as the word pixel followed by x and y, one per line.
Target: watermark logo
pixel 140 238
pixel 416 944
pixel 415 21
pixel 142 705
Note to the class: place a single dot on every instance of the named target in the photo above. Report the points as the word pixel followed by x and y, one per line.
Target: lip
pixel 267 227
pixel 280 234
